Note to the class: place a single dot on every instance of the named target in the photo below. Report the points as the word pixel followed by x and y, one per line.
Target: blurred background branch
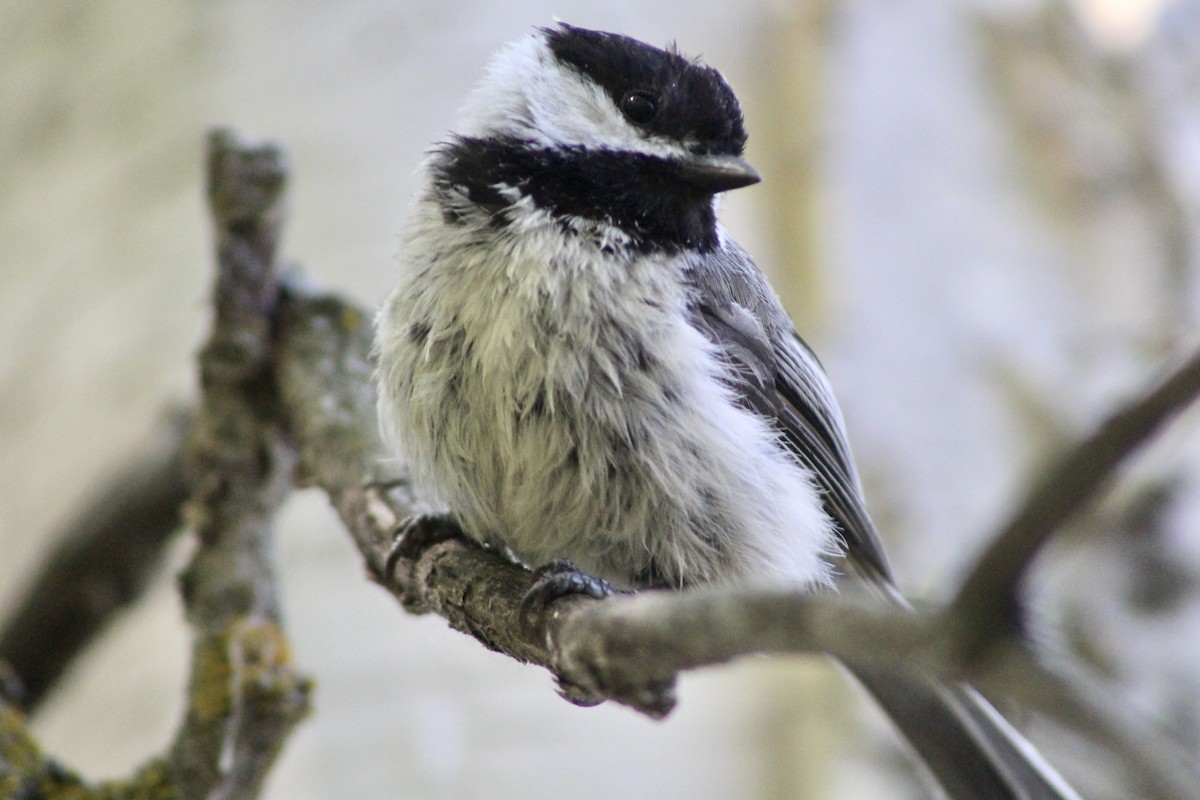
pixel 243 697
pixel 101 563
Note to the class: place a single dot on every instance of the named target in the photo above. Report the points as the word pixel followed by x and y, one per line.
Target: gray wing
pixel 969 748
pixel 777 376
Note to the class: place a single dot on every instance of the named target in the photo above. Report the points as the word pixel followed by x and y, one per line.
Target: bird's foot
pixel 417 534
pixel 552 582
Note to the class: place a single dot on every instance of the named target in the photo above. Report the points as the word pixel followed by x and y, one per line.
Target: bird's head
pixel 601 127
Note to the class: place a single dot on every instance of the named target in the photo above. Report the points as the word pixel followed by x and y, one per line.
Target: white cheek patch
pixel 527 93
pixel 567 109
pixel 493 106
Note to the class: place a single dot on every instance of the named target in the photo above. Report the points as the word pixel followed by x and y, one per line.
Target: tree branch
pixel 986 607
pixel 244 696
pixel 104 559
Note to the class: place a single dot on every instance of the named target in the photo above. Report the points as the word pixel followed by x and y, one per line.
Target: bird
pixel 579 362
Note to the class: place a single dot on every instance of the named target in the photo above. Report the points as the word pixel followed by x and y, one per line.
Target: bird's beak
pixel 717 173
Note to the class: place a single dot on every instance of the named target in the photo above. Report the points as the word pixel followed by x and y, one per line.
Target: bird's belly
pixel 611 439
pixel 561 441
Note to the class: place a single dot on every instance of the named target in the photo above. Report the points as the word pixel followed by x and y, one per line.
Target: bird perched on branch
pixel 581 364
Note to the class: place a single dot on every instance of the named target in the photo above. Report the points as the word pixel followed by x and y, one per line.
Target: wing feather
pixel 775 375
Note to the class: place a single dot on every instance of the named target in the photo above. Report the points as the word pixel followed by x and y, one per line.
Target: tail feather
pixel 972 752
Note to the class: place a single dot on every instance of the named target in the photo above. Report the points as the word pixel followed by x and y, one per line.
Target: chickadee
pixel 580 363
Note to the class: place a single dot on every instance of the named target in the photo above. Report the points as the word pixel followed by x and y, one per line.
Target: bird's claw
pixel 417 534
pixel 553 581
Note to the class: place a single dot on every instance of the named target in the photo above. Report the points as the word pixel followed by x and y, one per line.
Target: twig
pixel 244 696
pixel 986 606
pixel 103 562
pixel 627 649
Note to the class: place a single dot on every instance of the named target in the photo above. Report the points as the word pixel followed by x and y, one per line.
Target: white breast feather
pixel 641 465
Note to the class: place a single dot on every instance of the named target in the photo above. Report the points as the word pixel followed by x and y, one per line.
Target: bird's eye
pixel 639 107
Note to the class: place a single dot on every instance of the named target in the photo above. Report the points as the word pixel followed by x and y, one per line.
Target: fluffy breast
pixel 552 393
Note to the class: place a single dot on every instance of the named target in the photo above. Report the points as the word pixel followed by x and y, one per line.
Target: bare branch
pixel 627 649
pixel 102 564
pixel 244 696
pixel 324 379
pixel 986 606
